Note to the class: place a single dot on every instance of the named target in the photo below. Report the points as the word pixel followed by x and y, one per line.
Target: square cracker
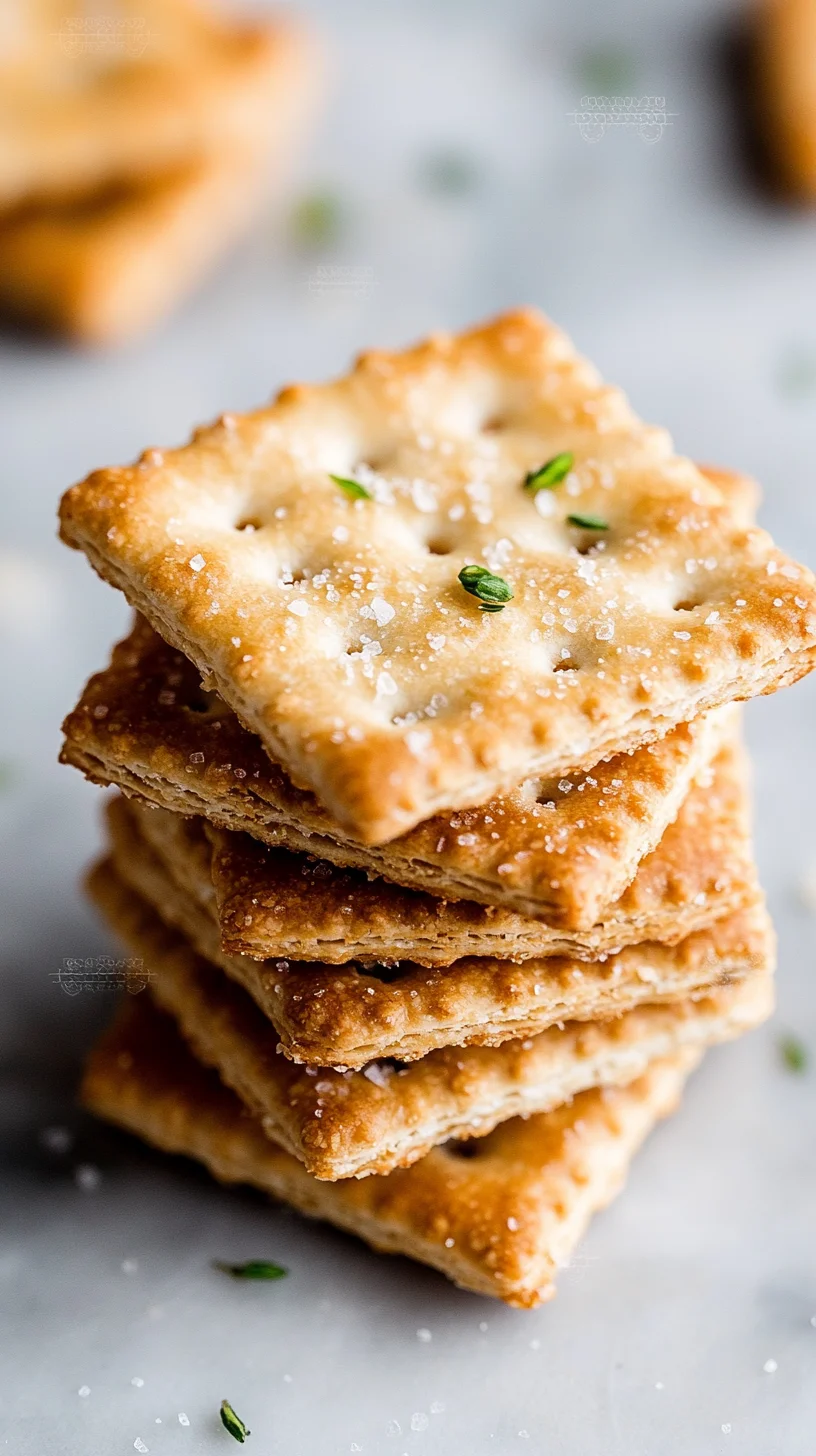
pixel 498 1223
pixel 154 86
pixel 272 904
pixel 344 1124
pixel 347 1016
pixel 338 630
pixel 562 852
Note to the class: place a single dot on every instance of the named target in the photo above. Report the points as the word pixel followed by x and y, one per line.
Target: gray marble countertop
pixel 695 292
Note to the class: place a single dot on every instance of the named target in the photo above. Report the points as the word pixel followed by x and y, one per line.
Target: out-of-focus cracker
pixel 115 100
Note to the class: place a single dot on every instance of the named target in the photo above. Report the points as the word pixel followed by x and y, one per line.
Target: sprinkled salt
pixel 483 1326
pixel 376 1074
pixel 197 562
pixel 419 1421
pixel 544 502
pixel 196 758
pixel 298 608
pixel 56 1139
pixel 726 1429
pixel 605 632
pixel 394 1428
pixel 380 610
pixel 424 1336
pixel 770 1367
pixel 512 1224
pixel 423 496
pixel 682 636
pixel 84 1391
pixel 137 1381
pixel 436 641
pixel 139 1445
pixel 712 618
pixel 437 1407
pixel 386 687
pixel 87 1177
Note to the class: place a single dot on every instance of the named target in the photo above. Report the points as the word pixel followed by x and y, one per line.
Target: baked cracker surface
pixel 347 1016
pixel 343 1124
pixel 499 1223
pixel 336 625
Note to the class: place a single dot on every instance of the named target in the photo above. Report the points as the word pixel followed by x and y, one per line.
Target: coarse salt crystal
pixel 298 609
pixel 386 687
pixel 197 562
pixel 380 610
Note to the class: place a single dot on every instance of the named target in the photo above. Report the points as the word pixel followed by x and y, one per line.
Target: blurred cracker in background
pixel 134 148
pixel 786 64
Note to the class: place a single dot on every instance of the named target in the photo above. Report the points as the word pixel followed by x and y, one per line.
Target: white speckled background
pixel 698 295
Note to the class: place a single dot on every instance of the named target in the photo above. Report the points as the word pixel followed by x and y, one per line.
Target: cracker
pixel 272 904
pixel 159 85
pixel 343 1124
pixel 348 1016
pixel 786 46
pixel 338 630
pixel 108 271
pixel 106 267
pixel 565 854
pixel 501 1222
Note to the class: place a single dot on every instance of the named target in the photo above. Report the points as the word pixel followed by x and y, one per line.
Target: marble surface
pixel 694 291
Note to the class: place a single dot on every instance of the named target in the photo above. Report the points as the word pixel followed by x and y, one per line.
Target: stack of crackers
pixel 433 831
pixel 134 148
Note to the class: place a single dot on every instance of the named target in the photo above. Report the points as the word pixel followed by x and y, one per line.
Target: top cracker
pixel 337 627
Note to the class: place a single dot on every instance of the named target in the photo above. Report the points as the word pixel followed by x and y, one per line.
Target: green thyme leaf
pixel 353 488
pixel 450 172
pixel 550 474
pixel 796 376
pixel 607 71
pixel 316 220
pixel 253 1269
pixel 233 1423
pixel 492 591
pixel 793 1053
pixel 589 523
